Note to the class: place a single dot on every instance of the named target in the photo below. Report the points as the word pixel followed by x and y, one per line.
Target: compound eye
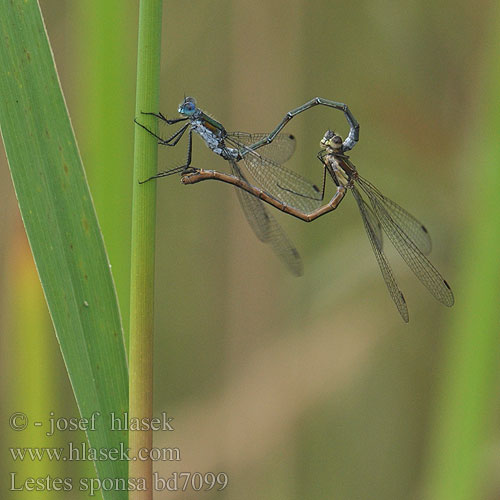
pixel 337 139
pixel 188 106
pixel 329 134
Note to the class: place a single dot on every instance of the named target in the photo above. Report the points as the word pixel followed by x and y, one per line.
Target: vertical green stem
pixel 143 240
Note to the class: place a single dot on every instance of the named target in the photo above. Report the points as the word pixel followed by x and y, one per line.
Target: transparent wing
pixel 376 241
pixel 278 181
pixel 283 184
pixel 373 222
pixel 266 228
pixel 412 227
pixel 279 151
pixel 407 248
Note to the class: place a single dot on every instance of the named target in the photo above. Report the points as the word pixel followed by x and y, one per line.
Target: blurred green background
pixel 296 388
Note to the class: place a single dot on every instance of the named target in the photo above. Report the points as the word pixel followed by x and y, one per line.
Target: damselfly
pixel 409 237
pixel 234 147
pixel 240 150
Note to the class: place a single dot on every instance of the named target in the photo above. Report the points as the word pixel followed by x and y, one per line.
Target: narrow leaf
pixel 62 227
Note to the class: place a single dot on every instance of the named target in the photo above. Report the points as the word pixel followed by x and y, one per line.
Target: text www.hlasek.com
pixel 82 452
pixel 177 481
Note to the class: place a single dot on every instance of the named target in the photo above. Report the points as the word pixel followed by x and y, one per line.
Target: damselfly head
pixel 331 140
pixel 188 106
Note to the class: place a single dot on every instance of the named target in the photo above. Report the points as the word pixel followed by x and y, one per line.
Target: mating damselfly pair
pixel 260 178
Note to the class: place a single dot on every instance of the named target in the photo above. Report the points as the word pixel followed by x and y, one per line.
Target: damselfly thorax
pixel 213 134
pixel 342 171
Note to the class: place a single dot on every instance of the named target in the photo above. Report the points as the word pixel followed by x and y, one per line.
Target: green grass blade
pixel 61 225
pixel 106 127
pixel 465 418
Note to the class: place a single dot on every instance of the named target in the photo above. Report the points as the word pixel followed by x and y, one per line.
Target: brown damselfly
pixel 410 237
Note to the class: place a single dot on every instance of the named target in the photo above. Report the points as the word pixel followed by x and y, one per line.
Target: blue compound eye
pixel 188 107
